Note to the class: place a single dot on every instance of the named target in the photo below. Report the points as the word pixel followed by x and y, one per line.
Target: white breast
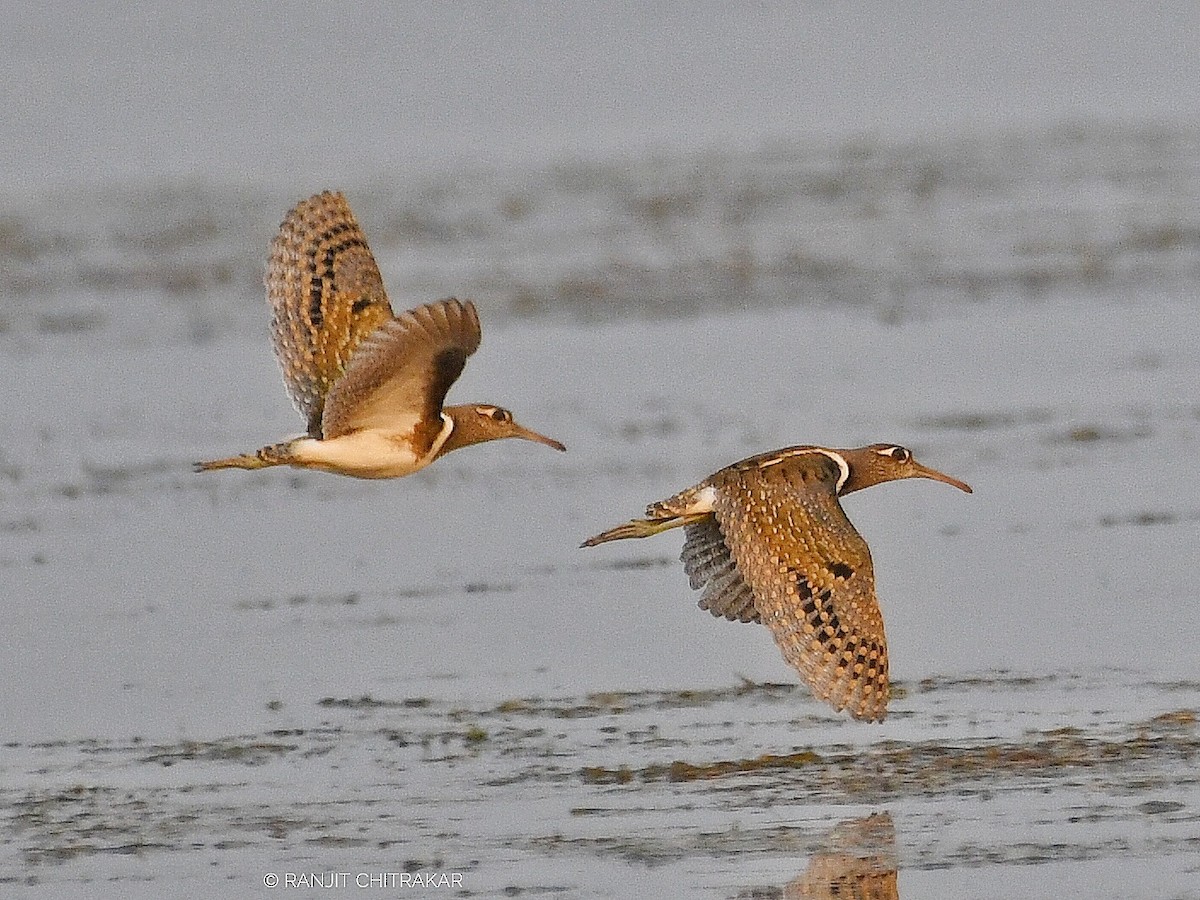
pixel 368 454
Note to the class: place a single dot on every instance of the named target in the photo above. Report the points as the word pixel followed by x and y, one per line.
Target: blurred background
pixel 694 232
pixel 593 159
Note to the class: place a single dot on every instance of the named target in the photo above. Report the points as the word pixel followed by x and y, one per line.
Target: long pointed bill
pixel 530 435
pixel 935 475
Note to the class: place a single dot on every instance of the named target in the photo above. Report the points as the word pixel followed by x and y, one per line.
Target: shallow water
pixel 705 792
pixel 211 680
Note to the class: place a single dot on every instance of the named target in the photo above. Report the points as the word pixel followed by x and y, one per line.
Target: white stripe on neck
pixel 443 436
pixel 843 466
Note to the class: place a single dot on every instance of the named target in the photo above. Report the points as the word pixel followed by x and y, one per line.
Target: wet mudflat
pixel 210 680
pixel 609 794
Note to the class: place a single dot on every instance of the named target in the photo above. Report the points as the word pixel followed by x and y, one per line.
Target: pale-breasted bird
pixel 369 383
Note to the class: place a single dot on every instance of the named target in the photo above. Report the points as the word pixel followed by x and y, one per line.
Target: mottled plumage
pixel 767 541
pixel 370 385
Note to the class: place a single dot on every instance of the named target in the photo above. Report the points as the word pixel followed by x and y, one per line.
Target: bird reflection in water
pixel 857 861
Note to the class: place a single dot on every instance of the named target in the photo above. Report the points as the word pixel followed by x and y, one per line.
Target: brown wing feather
pixel 398 377
pixel 326 296
pixel 707 561
pixel 812 578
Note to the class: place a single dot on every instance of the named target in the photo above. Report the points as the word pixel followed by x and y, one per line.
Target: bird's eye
pixel 900 454
pixel 500 415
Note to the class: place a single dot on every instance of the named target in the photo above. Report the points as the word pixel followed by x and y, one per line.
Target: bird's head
pixel 476 423
pixel 877 463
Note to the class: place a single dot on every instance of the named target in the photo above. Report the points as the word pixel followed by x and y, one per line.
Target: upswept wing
pixel 326 296
pixel 398 377
pixel 811 575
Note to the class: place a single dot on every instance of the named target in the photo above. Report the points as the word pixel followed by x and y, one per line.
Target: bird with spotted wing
pixel 766 540
pixel 370 384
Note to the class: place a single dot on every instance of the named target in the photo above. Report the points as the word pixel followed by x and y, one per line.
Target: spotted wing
pixel 811 574
pixel 709 567
pixel 326 295
pixel 398 377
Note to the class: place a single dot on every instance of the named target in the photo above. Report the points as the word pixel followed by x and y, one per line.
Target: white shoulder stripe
pixel 841 464
pixel 840 460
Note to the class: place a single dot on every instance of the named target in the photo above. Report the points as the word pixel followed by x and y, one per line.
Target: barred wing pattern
pixel 710 568
pixel 326 296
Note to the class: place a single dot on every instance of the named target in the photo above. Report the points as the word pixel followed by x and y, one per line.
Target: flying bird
pixel 767 541
pixel 370 384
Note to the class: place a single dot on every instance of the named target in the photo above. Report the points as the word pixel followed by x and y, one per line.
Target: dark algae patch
pixel 679 770
pixel 894 769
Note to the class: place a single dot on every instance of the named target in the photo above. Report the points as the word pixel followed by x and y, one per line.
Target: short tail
pixel 273 455
pixel 637 528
